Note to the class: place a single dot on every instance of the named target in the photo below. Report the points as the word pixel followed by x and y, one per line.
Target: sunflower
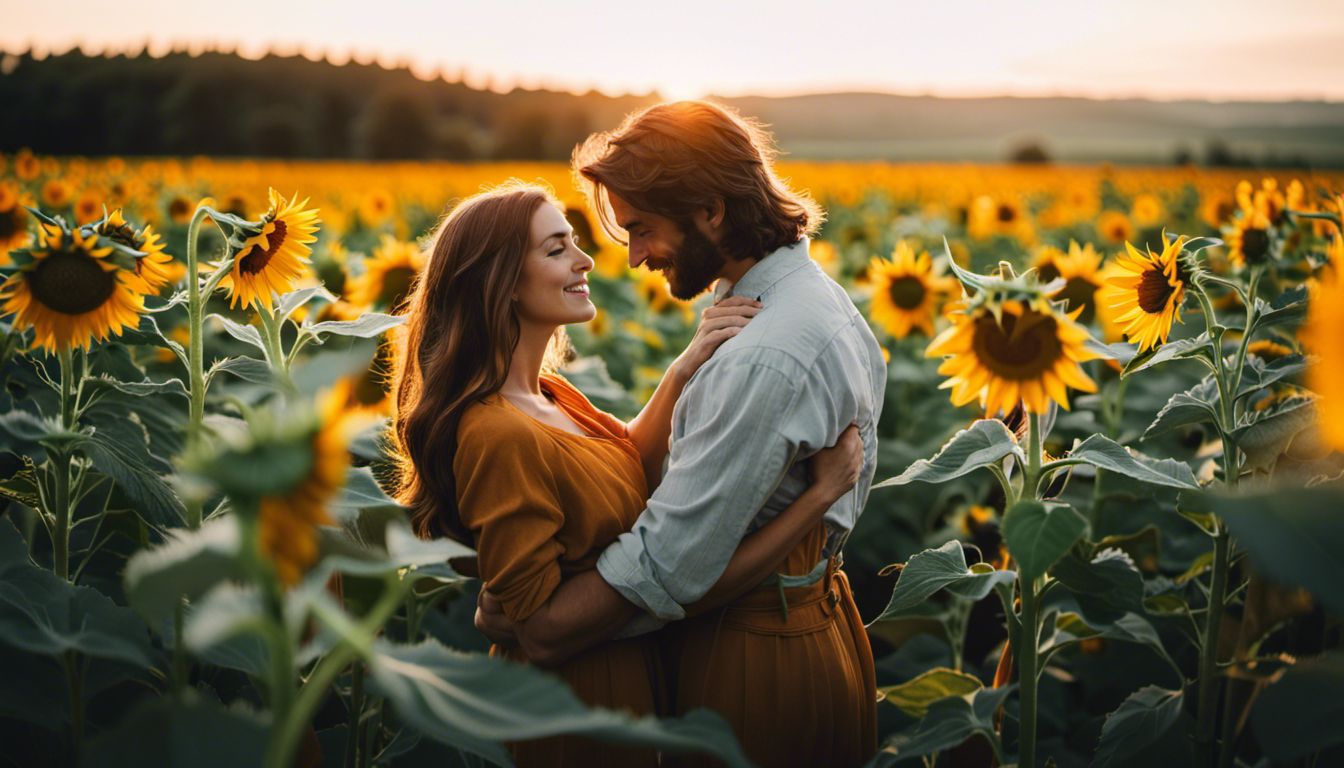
pixel 987 217
pixel 1268 350
pixel 1250 236
pixel 906 291
pixel 1115 227
pixel 287 523
pixel 180 210
pixel 272 259
pixel 1147 291
pixel 375 206
pixel 1046 263
pixel 26 165
pixel 826 256
pixel 1080 270
pixel 1325 377
pixel 1216 209
pixel 388 274
pixel 1006 351
pixel 155 269
pixel 1147 210
pixel 56 193
pixel 88 206
pixel 70 292
pixel 13 220
pixel 1268 198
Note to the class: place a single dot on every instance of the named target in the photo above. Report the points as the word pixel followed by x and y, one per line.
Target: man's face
pixel 685 255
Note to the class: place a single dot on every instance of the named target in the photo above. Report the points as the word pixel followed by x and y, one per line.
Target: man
pixel 690 187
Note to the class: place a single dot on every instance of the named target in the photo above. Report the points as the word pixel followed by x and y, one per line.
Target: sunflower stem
pixel 195 351
pixel 1033 472
pixel 285 739
pixel 271 326
pixel 1027 675
pixel 1208 656
pixel 60 464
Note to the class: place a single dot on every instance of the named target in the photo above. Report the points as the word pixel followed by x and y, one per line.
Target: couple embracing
pixel 690 557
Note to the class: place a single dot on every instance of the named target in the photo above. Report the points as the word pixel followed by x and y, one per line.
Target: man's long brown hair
pixel 677 157
pixel 455 348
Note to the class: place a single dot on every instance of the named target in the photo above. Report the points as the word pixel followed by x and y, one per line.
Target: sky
pixel 1161 49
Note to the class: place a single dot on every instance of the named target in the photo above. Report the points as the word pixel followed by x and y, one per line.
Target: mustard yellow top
pixel 542 502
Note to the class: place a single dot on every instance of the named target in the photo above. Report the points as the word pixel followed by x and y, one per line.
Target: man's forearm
pixel 584 611
pixel 764 550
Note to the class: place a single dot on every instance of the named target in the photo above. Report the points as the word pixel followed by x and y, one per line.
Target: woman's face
pixel 553 287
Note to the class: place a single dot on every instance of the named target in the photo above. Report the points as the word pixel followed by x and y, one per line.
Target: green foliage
pixel 1038 534
pixel 1140 724
pixel 982 444
pixel 914 696
pixel 1293 537
pixel 943 568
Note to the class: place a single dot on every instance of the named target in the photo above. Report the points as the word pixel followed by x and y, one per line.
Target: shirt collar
pixel 766 272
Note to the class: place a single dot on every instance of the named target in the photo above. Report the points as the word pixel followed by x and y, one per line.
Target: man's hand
pixel 491 621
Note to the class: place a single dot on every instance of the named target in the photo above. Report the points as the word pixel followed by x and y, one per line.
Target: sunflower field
pixel 1107 529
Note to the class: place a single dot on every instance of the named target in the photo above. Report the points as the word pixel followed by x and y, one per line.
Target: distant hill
pixel 871 125
pixel 287 106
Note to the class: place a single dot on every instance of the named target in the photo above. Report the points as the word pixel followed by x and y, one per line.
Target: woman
pixel 499 452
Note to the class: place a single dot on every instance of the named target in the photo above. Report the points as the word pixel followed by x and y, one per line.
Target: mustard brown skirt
pixel 799 691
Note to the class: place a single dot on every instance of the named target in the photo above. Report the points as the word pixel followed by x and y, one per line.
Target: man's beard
pixel 696 264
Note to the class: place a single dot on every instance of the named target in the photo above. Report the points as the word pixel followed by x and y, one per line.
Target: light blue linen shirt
pixel 785 387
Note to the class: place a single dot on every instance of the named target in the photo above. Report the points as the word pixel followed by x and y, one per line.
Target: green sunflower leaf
pixel 1103 452
pixel 985 442
pixel 1039 533
pixel 475 703
pixel 929 571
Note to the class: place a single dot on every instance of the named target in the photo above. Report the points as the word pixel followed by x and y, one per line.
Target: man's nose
pixel 637 255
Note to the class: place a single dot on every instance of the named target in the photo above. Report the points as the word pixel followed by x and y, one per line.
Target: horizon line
pixel 489 82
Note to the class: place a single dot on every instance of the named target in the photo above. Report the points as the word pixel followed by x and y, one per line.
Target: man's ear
pixel 715 213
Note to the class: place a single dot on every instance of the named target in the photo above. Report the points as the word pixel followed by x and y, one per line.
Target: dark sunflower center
pixel 71 283
pixel 256 259
pixel 1048 272
pixel 1079 292
pixel 1006 213
pixel 1154 291
pixel 1021 348
pixel 179 208
pixel 396 284
pixel 10 223
pixel 1255 244
pixel 907 292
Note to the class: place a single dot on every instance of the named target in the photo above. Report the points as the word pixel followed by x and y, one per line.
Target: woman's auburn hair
pixel 457 343
pixel 676 157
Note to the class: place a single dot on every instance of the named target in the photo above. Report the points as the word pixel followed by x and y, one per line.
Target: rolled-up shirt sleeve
pixel 735 439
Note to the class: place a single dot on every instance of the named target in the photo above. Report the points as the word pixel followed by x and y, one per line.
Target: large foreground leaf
pixel 1301 712
pixel 985 442
pixel 191 733
pixel 475 702
pixel 1294 536
pixel 187 564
